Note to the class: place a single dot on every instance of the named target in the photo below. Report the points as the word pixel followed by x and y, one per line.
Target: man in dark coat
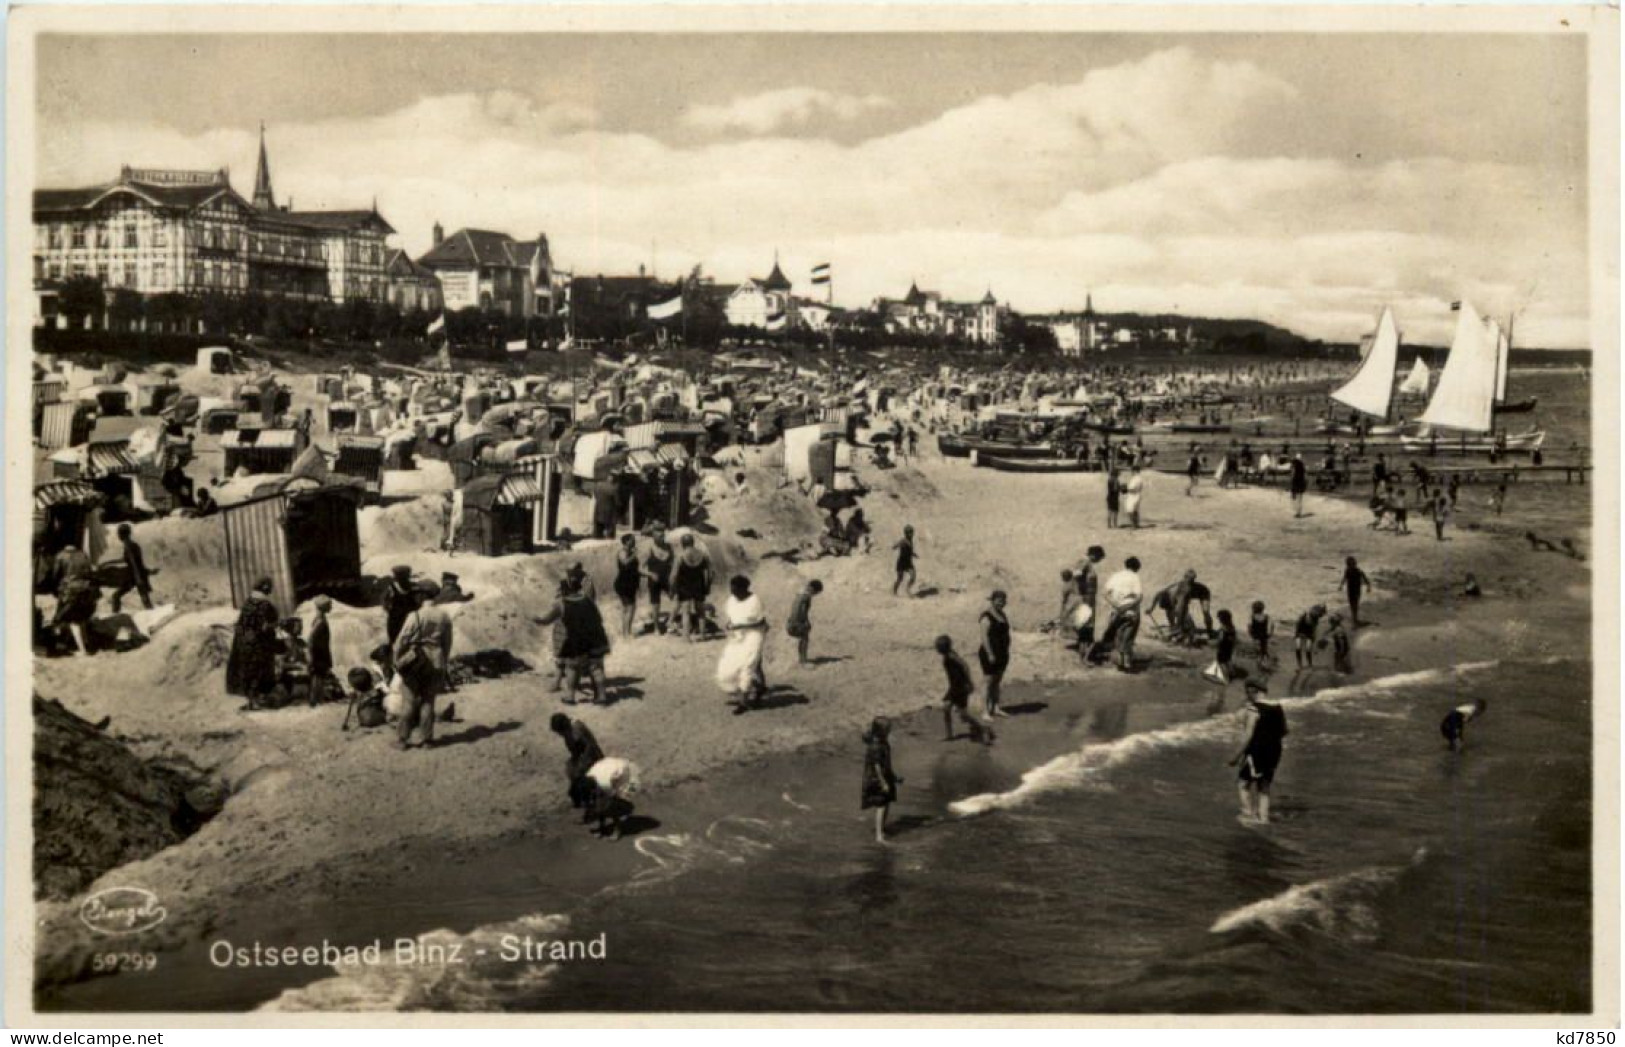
pixel 400 600
pixel 251 665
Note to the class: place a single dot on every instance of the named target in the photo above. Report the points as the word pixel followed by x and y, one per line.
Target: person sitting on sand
pixel 608 784
pixel 1471 589
pixel 961 690
pixel 1304 635
pixel 880 782
pixel 366 701
pixel 451 590
pixel 583 752
pixel 1454 725
pixel 1263 729
pixel 857 532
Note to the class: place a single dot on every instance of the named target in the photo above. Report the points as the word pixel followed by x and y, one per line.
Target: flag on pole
pixel 437 325
pixel 666 310
pixel 519 345
pixel 820 273
pixel 776 321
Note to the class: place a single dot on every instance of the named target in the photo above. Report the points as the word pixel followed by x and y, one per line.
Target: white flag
pixel 437 324
pixel 666 310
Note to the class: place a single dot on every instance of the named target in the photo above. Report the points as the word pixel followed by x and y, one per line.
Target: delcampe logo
pixel 122 910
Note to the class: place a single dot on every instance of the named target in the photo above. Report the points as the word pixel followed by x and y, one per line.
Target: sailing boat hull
pixel 1518 406
pixel 1511 443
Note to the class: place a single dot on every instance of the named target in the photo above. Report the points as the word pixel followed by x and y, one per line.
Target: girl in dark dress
pixel 879 781
pixel 995 650
pixel 1114 497
pixel 628 576
pixel 657 569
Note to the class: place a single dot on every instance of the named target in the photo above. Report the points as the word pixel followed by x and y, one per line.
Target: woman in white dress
pixel 1131 496
pixel 739 670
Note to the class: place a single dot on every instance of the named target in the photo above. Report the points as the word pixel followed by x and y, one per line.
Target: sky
pixel 1302 179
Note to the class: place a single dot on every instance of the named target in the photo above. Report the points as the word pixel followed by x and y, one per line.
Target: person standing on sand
pixel 1114 496
pixel 585 644
pixel 322 680
pixel 1356 583
pixel 961 689
pixel 1299 485
pixel 1263 729
pixel 994 653
pixel 1303 635
pixel 691 585
pixel 400 599
pixel 422 657
pixel 251 664
pixel 1261 628
pixel 1087 579
pixel 1441 514
pixel 657 570
pixel 139 578
pixel 799 624
pixel 905 561
pixel 739 669
pixel 628 577
pixel 1132 492
pixel 880 782
pixel 1193 471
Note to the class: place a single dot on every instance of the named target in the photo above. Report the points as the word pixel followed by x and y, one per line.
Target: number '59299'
pixel 109 962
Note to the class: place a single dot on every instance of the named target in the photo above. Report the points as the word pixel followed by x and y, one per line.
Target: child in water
pixel 1454 725
pixel 880 782
pixel 1338 637
pixel 1261 628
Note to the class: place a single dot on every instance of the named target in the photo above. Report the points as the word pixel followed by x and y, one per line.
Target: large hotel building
pixel 162 231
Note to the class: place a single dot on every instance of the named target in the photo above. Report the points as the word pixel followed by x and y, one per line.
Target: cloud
pixel 790 107
pixel 1166 183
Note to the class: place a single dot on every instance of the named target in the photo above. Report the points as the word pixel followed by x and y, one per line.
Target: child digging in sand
pixel 1454 725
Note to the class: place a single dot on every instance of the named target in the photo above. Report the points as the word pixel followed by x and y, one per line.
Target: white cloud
pixel 1152 183
pixel 788 107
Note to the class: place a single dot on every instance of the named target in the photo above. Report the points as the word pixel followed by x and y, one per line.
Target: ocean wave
pixel 731 840
pixel 1341 906
pixel 443 971
pixel 1086 767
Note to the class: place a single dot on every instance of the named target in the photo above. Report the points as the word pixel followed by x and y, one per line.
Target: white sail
pixel 1372 386
pixel 1464 399
pixel 1503 355
pixel 1416 383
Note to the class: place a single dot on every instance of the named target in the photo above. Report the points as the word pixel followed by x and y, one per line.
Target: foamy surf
pixel 441 970
pixel 1085 768
pixel 1344 906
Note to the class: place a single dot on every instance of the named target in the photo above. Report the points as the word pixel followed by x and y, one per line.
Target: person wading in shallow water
pixel 1356 582
pixel 880 782
pixel 1263 729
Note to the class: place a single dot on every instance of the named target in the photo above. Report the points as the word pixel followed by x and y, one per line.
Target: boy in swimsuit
pixel 905 561
pixel 1454 725
pixel 1265 727
pixel 1260 628
pixel 961 687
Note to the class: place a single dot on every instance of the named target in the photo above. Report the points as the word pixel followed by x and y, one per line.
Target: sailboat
pixel 1464 398
pixel 1418 381
pixel 1370 390
pixel 1503 359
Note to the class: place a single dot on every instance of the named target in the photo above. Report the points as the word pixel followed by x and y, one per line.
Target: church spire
pixel 263 199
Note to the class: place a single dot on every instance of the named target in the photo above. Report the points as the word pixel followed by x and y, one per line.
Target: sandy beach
pixel 312 807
